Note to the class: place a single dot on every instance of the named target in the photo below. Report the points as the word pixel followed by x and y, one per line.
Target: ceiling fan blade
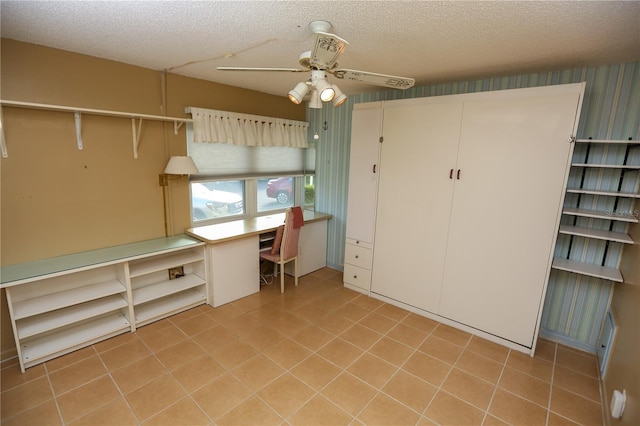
pixel 374 78
pixel 326 50
pixel 260 69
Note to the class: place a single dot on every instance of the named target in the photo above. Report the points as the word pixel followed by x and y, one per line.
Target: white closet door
pixel 414 199
pixel 513 160
pixel 366 129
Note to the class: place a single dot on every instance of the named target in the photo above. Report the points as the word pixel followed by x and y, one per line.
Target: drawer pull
pixel 355 276
pixel 357 256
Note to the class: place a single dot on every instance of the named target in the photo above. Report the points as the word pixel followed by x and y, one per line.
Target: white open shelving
pixel 598 234
pixel 604 272
pixel 71 338
pixel 166 288
pixel 75 296
pixel 627 216
pixel 51 320
pixel 601 192
pixel 161 308
pixel 162 262
pixel 601 214
pixel 62 304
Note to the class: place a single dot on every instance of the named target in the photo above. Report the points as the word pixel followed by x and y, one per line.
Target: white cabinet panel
pixel 513 160
pixel 363 171
pixel 235 269
pixel 312 249
pixel 414 200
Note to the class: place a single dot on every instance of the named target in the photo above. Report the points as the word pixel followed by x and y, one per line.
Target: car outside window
pixel 217 199
pixel 276 193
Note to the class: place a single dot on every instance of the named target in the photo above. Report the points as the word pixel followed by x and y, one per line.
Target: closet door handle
pixel 451 174
pixel 374 168
pixel 458 175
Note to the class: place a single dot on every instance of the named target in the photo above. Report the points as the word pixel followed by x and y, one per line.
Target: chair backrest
pixel 289 246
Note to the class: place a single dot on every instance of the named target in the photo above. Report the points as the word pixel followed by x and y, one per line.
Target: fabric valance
pixel 247 130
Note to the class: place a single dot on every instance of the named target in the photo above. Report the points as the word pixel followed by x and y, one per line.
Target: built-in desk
pixel 233 252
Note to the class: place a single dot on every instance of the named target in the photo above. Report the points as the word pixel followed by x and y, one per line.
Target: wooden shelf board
pixel 600 214
pixel 71 337
pixel 50 302
pixel 599 192
pixel 598 234
pixel 161 308
pixel 165 288
pixel 603 272
pixel 166 262
pixel 50 321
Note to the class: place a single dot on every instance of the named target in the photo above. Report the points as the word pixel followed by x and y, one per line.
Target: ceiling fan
pixel 322 60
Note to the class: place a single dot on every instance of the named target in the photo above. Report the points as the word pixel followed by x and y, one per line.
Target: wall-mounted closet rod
pixel 177 122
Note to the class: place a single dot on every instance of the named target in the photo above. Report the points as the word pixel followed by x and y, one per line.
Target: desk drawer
pixel 356 276
pixel 358 256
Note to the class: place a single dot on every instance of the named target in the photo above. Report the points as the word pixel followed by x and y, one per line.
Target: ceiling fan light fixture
pixel 326 91
pixel 315 101
pixel 298 92
pixel 339 97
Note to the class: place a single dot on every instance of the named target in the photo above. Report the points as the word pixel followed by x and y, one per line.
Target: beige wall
pixel 624 366
pixel 56 199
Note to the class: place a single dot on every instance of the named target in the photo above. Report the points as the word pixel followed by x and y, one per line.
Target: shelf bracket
pixel 136 136
pixel 78 120
pixel 176 126
pixel 3 145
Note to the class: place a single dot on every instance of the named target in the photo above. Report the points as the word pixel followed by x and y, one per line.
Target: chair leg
pixel 282 278
pixel 295 270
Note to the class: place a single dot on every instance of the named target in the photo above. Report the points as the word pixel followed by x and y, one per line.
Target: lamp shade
pixel 325 89
pixel 298 93
pixel 339 97
pixel 181 166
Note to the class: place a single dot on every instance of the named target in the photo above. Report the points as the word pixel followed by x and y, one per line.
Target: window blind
pixel 221 161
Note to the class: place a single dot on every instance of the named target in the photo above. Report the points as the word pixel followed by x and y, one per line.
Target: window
pixel 276 193
pixel 309 192
pixel 217 199
pixel 242 181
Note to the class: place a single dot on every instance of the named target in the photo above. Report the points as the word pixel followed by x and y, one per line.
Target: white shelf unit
pixel 602 208
pixel 155 295
pixel 59 314
pixel 62 304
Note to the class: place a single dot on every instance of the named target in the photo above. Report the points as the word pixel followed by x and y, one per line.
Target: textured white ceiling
pixel 430 41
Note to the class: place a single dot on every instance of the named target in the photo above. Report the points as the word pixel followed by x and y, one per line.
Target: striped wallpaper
pixel 575 305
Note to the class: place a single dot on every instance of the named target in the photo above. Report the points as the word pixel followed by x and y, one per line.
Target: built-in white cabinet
pixel 417 175
pixel 312 248
pixel 235 269
pixel 366 138
pixel 469 199
pixel 62 304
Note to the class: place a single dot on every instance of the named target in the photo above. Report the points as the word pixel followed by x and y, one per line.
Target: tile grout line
pixel 496 386
pixel 53 394
pixel 553 372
